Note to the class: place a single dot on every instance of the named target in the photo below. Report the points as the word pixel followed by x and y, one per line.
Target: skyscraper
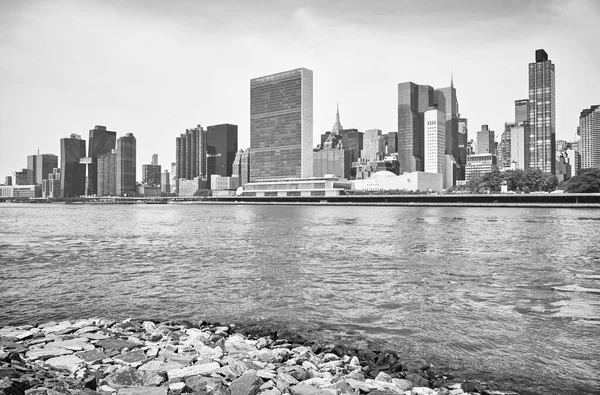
pixel 413 101
pixel 589 145
pixel 373 145
pixel 337 126
pixel 485 141
pixel 542 113
pixel 107 174
pixel 190 153
pixel 72 178
pixel 165 182
pixel 521 110
pixel 446 100
pixel 126 152
pixel 463 138
pixel 154 159
pixel 101 142
pixel 520 136
pixel 281 125
pixel 435 141
pixel 39 167
pixel 221 147
pixel 505 147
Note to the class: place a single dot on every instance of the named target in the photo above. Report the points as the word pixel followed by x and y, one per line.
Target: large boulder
pixel 247 384
pixel 205 369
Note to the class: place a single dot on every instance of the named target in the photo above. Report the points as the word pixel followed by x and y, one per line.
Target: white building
pixel 519 146
pixel 388 181
pixel 293 187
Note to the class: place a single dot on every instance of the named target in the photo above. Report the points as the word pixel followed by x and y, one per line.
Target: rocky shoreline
pixel 144 357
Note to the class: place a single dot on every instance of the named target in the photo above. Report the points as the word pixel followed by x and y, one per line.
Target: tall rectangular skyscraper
pixel 485 141
pixel 72 179
pixel 463 138
pixel 589 146
pixel 413 101
pixel 281 125
pixel 126 152
pixel 101 142
pixel 39 167
pixel 521 110
pixel 542 113
pixel 221 147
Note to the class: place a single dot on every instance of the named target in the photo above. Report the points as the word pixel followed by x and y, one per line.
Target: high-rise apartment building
pixel 221 147
pixel 589 145
pixel 281 125
pixel 154 159
pixel 20 177
pixel 107 174
pixel 190 153
pixel 165 182
pixel 485 141
pixel 413 101
pixel 505 147
pixel 72 178
pixel 463 138
pixel 126 155
pixel 542 113
pixel 151 173
pixel 519 145
pixel 101 142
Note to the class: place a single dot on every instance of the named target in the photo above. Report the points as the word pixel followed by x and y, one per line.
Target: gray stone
pixel 423 391
pixel 77 344
pixel 65 362
pixel 115 344
pixel 403 385
pixel 160 366
pixel 130 377
pixel 417 380
pixel 36 353
pixel 284 380
pixel 92 357
pixel 247 384
pixel 358 385
pixel 176 388
pixel 306 389
pixel 130 357
pixel 194 370
pixel 143 391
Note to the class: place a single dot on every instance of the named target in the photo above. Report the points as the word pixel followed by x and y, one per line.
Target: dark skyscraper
pixel 446 100
pixel 107 174
pixel 521 110
pixel 39 167
pixel 72 180
pixel 413 101
pixel 463 135
pixel 542 113
pixel 126 152
pixel 190 152
pixel 221 147
pixel 281 125
pixel 101 142
pixel 31 166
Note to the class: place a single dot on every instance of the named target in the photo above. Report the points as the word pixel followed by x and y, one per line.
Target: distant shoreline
pixel 549 200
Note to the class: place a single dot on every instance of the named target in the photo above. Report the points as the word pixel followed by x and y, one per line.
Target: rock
pixel 319 382
pixel 423 391
pixel 468 387
pixel 272 391
pixel 130 377
pixel 37 353
pixel 266 374
pixel 65 362
pixel 358 385
pixel 416 365
pixel 143 391
pixel 115 344
pixel 130 357
pixel 95 336
pixel 160 366
pixel 194 370
pixel 306 389
pixel 176 388
pixel 77 344
pixel 247 384
pixel 456 391
pixel 382 376
pixel 107 389
pixel 403 385
pixel 417 380
pixel 91 357
pixel 284 380
pixel 382 386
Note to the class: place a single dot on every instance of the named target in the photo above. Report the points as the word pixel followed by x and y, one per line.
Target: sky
pixel 154 68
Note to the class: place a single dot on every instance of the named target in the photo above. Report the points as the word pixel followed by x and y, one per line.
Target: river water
pixel 510 295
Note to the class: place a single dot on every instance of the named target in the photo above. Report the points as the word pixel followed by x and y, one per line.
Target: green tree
pixel 588 181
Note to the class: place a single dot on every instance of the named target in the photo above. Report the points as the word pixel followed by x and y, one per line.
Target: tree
pixel 202 192
pixel 588 181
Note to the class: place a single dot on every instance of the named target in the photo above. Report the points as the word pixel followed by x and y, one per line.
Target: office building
pixel 519 146
pixel 331 158
pixel 281 125
pixel 479 164
pixel 241 166
pixel 463 138
pixel 154 159
pixel 126 158
pixel 187 188
pixel 165 182
pixel 391 143
pixel 413 101
pixel 521 110
pixel 107 174
pixel 337 126
pixel 101 142
pixel 435 140
pixel 447 102
pixel 221 148
pixel 39 166
pixel 589 145
pixel 20 177
pixel 72 180
pixel 485 141
pixel 373 145
pixel 293 187
pixel 352 141
pixel 21 191
pixel 8 181
pixel 542 113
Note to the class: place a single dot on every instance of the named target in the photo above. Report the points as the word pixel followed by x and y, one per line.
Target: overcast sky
pixel 154 68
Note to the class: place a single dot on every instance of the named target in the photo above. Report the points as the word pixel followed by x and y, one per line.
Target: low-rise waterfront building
pixel 479 164
pixel 293 187
pixel 388 181
pixel 148 191
pixel 21 191
pixel 187 188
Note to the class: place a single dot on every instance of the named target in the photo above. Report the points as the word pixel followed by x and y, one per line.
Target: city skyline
pixel 106 76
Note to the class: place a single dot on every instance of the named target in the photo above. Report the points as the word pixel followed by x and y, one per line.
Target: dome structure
pixel 382 174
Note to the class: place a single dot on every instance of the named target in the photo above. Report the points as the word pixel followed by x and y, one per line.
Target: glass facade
pixel 72 181
pixel 542 113
pixel 485 141
pixel 463 138
pixel 221 149
pixel 521 110
pixel 281 125
pixel 126 152
pixel 101 142
pixel 413 101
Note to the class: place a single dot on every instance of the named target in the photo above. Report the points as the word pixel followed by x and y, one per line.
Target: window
pixel 293 193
